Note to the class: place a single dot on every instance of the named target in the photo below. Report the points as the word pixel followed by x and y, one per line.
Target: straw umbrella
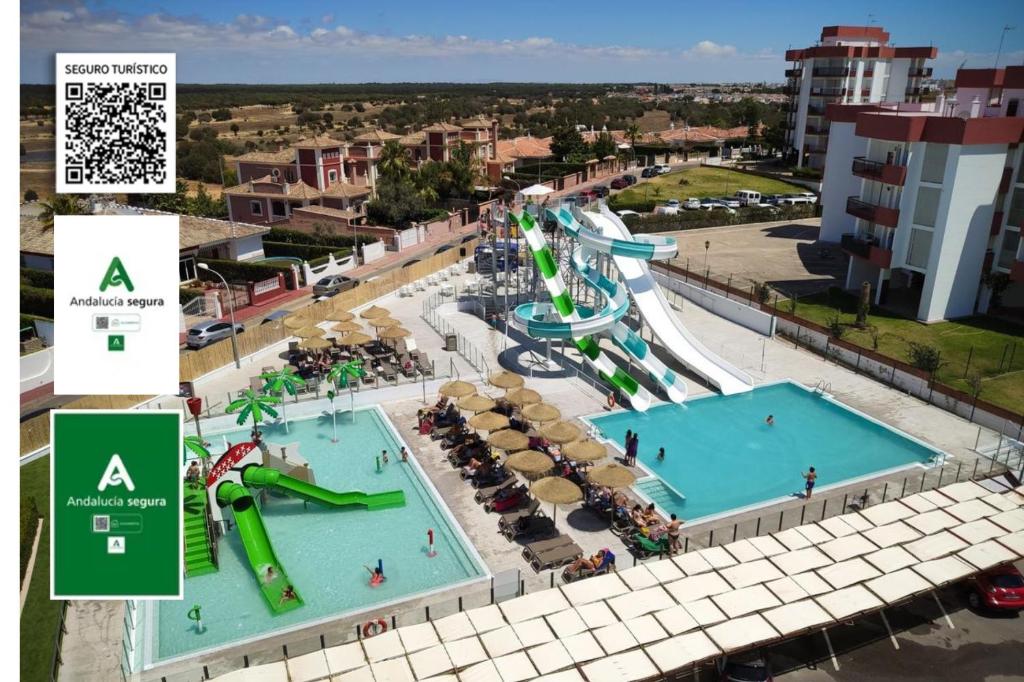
pixel 476 403
pixel 529 462
pixel 556 490
pixel 354 339
pixel 341 316
pixel 489 421
pixel 584 451
pixel 373 312
pixel 509 439
pixel 505 379
pixel 383 322
pixel 395 333
pixel 523 396
pixel 347 327
pixel 308 332
pixel 561 432
pixel 611 475
pixel 296 321
pixel 457 389
pixel 541 412
pixel 314 343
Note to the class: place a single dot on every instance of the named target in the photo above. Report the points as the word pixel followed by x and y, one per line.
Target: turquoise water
pixel 324 550
pixel 721 455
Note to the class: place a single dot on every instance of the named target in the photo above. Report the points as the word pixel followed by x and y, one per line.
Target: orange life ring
pixel 374 627
pixel 611 400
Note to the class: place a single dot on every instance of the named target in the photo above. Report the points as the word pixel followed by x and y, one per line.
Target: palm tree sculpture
pixel 196 446
pixel 253 404
pixel 282 381
pixel 338 376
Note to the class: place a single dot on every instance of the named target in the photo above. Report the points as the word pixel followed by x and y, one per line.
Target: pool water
pixel 323 550
pixel 721 456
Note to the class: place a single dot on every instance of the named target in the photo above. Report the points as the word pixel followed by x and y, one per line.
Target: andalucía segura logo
pixel 116 276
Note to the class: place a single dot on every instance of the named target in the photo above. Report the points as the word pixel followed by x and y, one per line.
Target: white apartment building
pixel 928 199
pixel 849 65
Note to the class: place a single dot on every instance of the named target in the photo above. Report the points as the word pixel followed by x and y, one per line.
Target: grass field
pixel 39 618
pixel 997 355
pixel 704 181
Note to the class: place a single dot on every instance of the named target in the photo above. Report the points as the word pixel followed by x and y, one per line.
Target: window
pixel 1012 106
pixel 1008 250
pixel 278 208
pixel 289 175
pixel 920 247
pixel 927 208
pixel 332 176
pixel 934 167
pixel 186 269
pixel 256 207
pixel 275 173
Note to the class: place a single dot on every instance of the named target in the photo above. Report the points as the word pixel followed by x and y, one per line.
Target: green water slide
pixel 262 477
pixel 198 554
pixel 257 547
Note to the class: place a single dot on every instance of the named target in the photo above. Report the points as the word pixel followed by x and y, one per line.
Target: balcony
pixel 889 173
pixel 794 73
pixel 790 90
pixel 815 110
pixel 873 213
pixel 920 73
pixel 816 129
pixel 867 249
pixel 868 73
pixel 913 92
pixel 831 72
pixel 827 92
pixel 997 224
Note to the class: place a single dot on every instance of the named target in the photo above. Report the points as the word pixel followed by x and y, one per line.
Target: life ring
pixel 374 627
pixel 611 400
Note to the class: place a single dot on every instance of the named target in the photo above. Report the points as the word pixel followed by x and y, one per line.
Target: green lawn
pixel 704 181
pixel 993 341
pixel 39 618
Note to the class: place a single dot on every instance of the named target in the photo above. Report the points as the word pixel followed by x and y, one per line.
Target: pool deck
pixel 767 360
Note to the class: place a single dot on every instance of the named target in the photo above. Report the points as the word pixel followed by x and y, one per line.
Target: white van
pixel 748 197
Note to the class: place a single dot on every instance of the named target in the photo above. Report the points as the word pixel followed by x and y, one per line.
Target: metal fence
pixel 463 346
pixel 58 641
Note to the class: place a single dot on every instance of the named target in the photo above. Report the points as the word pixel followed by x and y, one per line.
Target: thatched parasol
pixel 382 322
pixel 523 396
pixel 308 332
pixel 347 327
pixel 556 490
pixel 541 412
pixel 611 475
pixel 354 339
pixel 341 316
pixel 529 462
pixel 314 343
pixel 395 333
pixel 584 451
pixel 505 379
pixel 509 439
pixel 373 312
pixel 457 389
pixel 296 321
pixel 488 421
pixel 561 432
pixel 476 403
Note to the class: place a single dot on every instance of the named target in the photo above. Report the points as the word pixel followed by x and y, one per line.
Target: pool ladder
pixel 822 387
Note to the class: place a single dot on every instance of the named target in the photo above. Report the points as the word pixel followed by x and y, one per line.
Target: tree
pixel 632 133
pixel 603 146
pixel 997 282
pixel 203 204
pixel 568 145
pixel 864 305
pixel 31 195
pixel 282 381
pixel 253 404
pixel 221 115
pixel 61 204
pixel 925 357
pixel 398 203
pixel 176 202
pixel 234 129
pixel 393 161
pixel 341 371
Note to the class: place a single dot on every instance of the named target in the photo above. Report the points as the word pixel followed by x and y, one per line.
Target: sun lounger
pixel 423 364
pixel 406 365
pixel 507 520
pixel 530 528
pixel 484 494
pixel 556 557
pixel 368 374
pixel 257 384
pixel 534 548
pixel 387 371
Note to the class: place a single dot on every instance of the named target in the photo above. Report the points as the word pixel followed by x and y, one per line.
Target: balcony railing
pixel 815 110
pixel 913 92
pixel 790 90
pixel 831 72
pixel 816 130
pixel 866 249
pixel 920 73
pixel 890 173
pixel 794 73
pixel 880 215
pixel 828 92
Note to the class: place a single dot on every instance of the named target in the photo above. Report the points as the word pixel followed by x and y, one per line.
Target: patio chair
pixel 529 528
pixel 423 364
pixel 508 520
pixel 432 280
pixel 420 286
pixel 387 371
pixel 555 557
pixel 406 365
pixel 531 550
pixel 369 375
pixel 256 384
pixel 607 566
pixel 484 494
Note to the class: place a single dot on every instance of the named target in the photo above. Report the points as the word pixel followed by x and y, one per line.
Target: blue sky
pixel 260 41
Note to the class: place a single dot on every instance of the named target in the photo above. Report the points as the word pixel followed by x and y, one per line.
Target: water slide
pixel 655 309
pixel 263 477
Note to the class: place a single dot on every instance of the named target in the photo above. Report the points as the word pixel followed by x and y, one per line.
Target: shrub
pixel 37 278
pixel 835 327
pixel 923 356
pixel 762 292
pixel 241 271
pixel 320 238
pixel 186 294
pixel 31 195
pixel 307 252
pixel 29 522
pixel 37 301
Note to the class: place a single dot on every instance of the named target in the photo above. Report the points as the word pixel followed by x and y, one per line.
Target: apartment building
pixel 849 65
pixel 928 199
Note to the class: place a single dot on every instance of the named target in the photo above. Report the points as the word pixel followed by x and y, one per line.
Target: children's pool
pixel 323 550
pixel 722 456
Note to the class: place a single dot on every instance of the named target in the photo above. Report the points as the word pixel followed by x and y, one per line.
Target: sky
pixel 308 41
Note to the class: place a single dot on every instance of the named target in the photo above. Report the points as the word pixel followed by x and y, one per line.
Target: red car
pixel 999 588
pixel 619 183
pixel 588 194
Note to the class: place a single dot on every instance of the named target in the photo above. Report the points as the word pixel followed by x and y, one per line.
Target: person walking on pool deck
pixel 634 449
pixel 810 477
pixel 627 443
pixel 674 545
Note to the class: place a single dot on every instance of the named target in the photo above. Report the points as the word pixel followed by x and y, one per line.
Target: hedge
pixel 690 220
pixel 304 251
pixel 29 522
pixel 37 278
pixel 241 271
pixel 37 301
pixel 186 294
pixel 638 206
pixel 282 236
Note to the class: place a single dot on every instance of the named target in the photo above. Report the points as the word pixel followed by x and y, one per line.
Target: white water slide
pixel 660 316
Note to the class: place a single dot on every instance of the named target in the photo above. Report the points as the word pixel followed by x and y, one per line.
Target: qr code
pixel 100 523
pixel 102 322
pixel 115 133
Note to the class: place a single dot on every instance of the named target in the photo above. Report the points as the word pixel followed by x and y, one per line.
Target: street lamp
pixel 707 246
pixel 231 311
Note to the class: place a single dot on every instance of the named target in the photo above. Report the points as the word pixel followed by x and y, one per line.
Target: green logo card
pixel 116 504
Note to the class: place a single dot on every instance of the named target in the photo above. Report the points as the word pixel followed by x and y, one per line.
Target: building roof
pixel 377 136
pixel 476 123
pixel 347 214
pixel 442 128
pixel 286 155
pixel 317 142
pixel 502 158
pixel 346 190
pixel 525 147
pixel 413 139
pixel 292 190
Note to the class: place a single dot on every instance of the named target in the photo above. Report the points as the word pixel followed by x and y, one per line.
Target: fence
pixel 35 432
pixel 464 347
pixel 58 641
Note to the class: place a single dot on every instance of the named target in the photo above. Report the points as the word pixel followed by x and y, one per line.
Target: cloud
pixel 708 48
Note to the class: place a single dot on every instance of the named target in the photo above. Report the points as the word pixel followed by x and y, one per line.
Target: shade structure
pixel 296 321
pixel 561 432
pixel 373 312
pixel 556 490
pixel 585 451
pixel 395 333
pixel 354 339
pixel 488 421
pixel 523 396
pixel 457 389
pixel 476 403
pixel 308 332
pixel 529 462
pixel 536 191
pixel 541 412
pixel 611 475
pixel 347 327
pixel 509 439
pixel 505 379
pixel 315 343
pixel 382 322
pixel 340 316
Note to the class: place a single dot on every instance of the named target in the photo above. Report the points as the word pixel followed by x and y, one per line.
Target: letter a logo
pixel 116 276
pixel 116 474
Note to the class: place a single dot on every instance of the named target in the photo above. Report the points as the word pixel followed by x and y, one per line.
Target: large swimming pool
pixel 721 456
pixel 323 550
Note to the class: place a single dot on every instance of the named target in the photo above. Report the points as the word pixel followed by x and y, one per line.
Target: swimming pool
pixel 323 550
pixel 721 456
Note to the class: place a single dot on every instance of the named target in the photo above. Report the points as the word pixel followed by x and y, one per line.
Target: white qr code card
pixel 115 122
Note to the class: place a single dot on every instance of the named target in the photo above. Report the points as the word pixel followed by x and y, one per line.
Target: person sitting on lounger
pixel 638 518
pixel 590 564
pixel 650 515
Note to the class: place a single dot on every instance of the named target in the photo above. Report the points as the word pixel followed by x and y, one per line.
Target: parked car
pixel 276 315
pixel 672 203
pixel 626 213
pixel 715 204
pixel 664 168
pixel 771 208
pixel 649 172
pixel 630 179
pixel 333 284
pixel 619 183
pixel 811 197
pixel 666 210
pixel 793 200
pixel 731 202
pixel 691 204
pixel 772 199
pixel 748 197
pixel 601 191
pixel 586 195
pixel 211 331
pixel 1000 588
pixel 748 669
